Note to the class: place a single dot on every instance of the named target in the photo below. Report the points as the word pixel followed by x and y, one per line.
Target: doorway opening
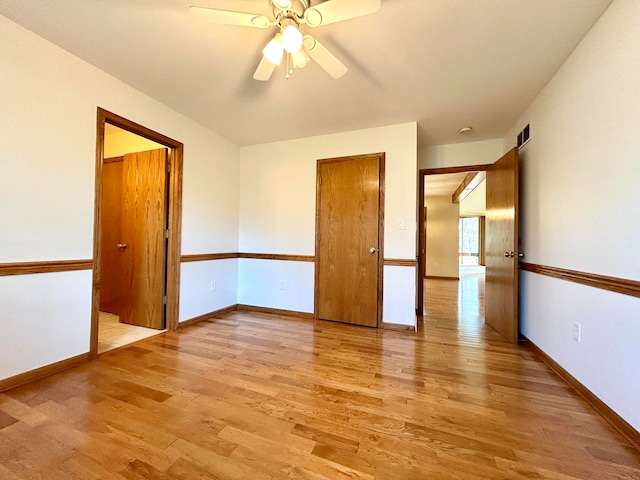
pixel 501 237
pixel 130 173
pixel 451 245
pixel 136 233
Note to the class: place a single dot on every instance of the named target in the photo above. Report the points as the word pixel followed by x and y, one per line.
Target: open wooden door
pixel 143 244
pixel 349 239
pixel 110 288
pixel 501 291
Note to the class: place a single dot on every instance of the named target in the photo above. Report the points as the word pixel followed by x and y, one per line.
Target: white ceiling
pixel 443 63
pixel 446 184
pixel 443 184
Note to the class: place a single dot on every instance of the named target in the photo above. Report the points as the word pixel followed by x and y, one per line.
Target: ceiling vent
pixel 524 136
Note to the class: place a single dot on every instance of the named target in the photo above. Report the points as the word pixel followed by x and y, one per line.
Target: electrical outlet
pixel 214 285
pixel 577 332
pixel 283 286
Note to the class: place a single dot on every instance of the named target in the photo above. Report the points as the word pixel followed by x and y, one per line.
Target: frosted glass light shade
pixel 300 58
pixel 291 39
pixel 274 50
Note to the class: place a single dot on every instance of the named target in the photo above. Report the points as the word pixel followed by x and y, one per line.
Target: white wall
pixel 460 154
pixel 48 102
pixel 580 209
pixel 280 284
pixel 443 235
pixel 197 296
pixel 44 319
pixel 277 213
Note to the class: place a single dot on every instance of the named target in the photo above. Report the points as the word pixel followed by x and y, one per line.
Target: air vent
pixel 524 136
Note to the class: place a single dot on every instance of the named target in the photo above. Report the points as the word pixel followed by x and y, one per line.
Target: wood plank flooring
pixel 255 396
pixel 112 334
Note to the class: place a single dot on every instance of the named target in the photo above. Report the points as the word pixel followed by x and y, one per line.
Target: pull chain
pixel 289 66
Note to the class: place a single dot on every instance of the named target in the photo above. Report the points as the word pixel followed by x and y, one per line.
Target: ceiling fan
pixel 289 43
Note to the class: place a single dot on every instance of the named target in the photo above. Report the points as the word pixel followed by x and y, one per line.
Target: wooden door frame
pixel 381 186
pixel 422 253
pixel 175 159
pixel 422 247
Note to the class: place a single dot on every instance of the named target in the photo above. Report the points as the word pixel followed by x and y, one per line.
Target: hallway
pixel 460 301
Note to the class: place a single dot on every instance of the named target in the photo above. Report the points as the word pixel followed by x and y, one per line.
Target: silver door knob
pixel 121 246
pixel 372 250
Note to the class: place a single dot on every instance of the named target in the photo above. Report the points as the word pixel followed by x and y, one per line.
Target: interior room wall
pixel 196 295
pixel 47 155
pixel 475 204
pixel 579 209
pixel 277 215
pixel 443 216
pixel 481 152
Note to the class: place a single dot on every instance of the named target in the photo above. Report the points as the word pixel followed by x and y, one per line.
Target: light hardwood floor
pixel 255 396
pixel 112 334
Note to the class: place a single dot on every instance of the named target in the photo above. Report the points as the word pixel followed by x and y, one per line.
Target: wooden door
pixel 111 235
pixel 144 220
pixel 501 256
pixel 349 239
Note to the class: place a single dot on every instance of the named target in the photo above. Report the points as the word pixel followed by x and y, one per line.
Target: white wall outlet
pixel 214 285
pixel 401 224
pixel 577 332
pixel 283 286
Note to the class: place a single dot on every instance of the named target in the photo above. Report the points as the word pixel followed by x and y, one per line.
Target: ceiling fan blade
pixel 324 57
pixel 333 11
pixel 224 17
pixel 264 70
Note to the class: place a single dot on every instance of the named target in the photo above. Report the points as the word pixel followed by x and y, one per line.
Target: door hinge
pixel 166 233
pixel 164 300
pixel 320 180
pixel 168 167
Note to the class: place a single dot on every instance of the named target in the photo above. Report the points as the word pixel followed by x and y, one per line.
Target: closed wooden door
pixel 349 239
pixel 143 243
pixel 501 255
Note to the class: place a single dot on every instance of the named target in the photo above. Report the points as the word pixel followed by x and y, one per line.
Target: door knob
pixel 121 246
pixel 508 254
pixel 372 250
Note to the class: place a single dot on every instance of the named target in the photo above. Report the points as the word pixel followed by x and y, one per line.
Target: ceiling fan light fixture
pixel 300 58
pixel 274 50
pixel 291 39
